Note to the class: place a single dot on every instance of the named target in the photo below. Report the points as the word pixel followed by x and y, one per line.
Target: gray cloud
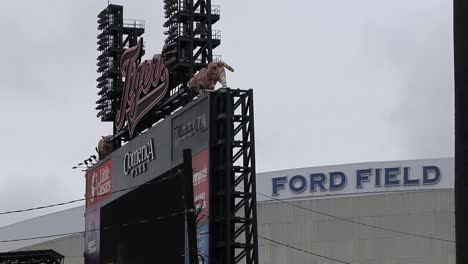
pixel 334 82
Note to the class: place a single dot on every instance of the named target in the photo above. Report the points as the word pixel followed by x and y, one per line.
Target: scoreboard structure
pixel 139 204
pixel 135 206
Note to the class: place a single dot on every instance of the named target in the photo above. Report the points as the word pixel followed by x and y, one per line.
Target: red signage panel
pixel 98 183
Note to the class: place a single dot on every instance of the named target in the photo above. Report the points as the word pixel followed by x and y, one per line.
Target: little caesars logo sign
pixel 136 162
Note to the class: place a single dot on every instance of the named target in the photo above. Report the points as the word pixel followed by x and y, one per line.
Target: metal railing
pixel 215 9
pixel 215 58
pixel 126 46
pixel 216 34
pixel 132 23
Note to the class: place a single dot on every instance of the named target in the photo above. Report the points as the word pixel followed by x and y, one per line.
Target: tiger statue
pixel 105 147
pixel 207 78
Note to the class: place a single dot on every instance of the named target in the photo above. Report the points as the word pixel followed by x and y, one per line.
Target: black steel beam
pixel 190 206
pixel 461 128
pixel 111 44
pixel 234 229
pixel 194 17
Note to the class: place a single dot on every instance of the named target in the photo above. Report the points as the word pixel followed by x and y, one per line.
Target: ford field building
pixel 366 213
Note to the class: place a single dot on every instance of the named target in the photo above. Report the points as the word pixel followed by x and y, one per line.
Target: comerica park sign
pixel 136 162
pixel 146 83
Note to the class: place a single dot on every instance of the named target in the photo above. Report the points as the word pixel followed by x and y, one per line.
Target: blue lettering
pixel 362 176
pixel 406 177
pixel 377 177
pixel 302 186
pixel 427 172
pixel 337 186
pixel 317 179
pixel 278 183
pixel 391 176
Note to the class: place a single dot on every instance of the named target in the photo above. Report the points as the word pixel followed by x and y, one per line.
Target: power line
pixel 41 207
pixel 288 246
pixel 345 219
pixel 303 250
pixel 273 198
pixel 40 237
pixel 81 199
pixel 355 222
pixel 144 221
pixel 161 218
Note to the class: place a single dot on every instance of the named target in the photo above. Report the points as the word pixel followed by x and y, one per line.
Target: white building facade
pixel 377 212
pixel 366 213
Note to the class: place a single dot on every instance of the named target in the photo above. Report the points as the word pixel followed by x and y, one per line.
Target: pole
pixel 190 207
pixel 460 24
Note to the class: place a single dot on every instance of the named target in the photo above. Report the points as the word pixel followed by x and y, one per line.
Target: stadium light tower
pixel 116 35
pixel 190 38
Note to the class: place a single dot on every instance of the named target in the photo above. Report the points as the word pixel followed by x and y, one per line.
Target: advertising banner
pixel 202 243
pixel 200 185
pixel 92 237
pixel 98 183
pixel 200 193
pixel 158 150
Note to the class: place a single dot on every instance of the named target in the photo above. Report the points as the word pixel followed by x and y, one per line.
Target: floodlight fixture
pixel 114 37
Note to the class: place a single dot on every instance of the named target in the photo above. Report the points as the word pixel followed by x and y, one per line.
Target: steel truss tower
pixel 233 225
pixel 460 26
pixel 116 35
pixel 190 38
pixel 188 48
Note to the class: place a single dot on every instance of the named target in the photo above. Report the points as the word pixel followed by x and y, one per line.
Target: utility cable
pixel 353 221
pixel 161 218
pixel 345 219
pixel 200 254
pixel 151 220
pixel 82 199
pixel 264 195
pixel 303 250
pixel 289 246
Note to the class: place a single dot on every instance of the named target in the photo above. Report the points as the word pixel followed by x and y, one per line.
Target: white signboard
pixel 359 178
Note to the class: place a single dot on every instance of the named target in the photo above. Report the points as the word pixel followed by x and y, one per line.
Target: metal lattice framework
pixel 116 35
pixel 234 213
pixel 31 257
pixel 190 38
pixel 188 48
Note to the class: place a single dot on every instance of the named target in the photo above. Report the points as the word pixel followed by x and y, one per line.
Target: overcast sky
pixel 334 82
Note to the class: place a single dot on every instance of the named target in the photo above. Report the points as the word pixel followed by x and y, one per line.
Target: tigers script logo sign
pixel 146 83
